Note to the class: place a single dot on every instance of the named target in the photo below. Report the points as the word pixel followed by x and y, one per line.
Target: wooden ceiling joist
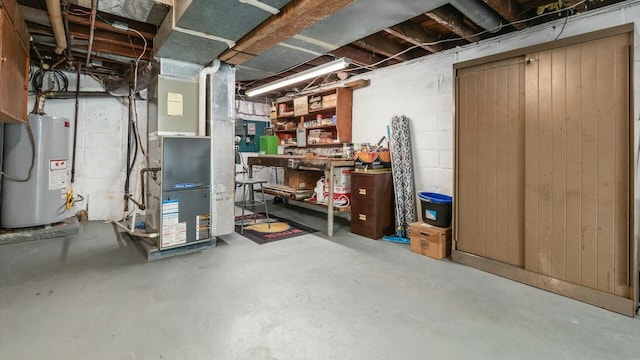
pixel 510 10
pixel 453 21
pixel 416 35
pixel 383 46
pixel 80 33
pixel 361 57
pixel 104 26
pixel 293 17
pixel 103 41
pixel 41 17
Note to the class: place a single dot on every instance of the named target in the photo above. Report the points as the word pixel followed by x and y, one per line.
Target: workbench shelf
pixel 328 111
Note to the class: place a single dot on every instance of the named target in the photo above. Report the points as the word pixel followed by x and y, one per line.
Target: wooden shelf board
pixel 326 126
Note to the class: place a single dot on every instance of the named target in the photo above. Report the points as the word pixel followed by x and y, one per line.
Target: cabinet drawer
pixel 372 212
pixel 356 198
pixel 365 225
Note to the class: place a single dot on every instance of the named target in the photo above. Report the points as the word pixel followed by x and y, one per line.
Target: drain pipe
pixel 55 17
pixel 94 8
pixel 479 13
pixel 202 96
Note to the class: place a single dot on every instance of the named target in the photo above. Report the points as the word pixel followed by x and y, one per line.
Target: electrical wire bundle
pixel 56 80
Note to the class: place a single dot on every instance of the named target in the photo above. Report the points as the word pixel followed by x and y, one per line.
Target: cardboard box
pixel 300 179
pixel 429 240
pixel 329 101
pixel 300 106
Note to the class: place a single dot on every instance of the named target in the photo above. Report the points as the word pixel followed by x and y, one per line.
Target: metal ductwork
pixel 479 13
pixel 55 16
pixel 181 37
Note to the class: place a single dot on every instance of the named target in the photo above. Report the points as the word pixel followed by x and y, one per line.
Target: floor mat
pixel 260 232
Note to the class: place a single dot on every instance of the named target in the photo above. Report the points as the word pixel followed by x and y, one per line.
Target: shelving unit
pixel 325 117
pixel 308 164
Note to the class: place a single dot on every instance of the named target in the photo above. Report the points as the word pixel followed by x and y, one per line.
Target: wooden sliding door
pixel 543 168
pixel 491 170
pixel 577 164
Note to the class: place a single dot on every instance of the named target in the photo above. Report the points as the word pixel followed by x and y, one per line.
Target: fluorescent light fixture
pixel 301 76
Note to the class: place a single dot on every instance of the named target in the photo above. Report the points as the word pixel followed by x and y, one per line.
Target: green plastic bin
pixel 268 144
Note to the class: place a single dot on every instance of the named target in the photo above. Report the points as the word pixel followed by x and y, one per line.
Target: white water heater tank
pixel 42 199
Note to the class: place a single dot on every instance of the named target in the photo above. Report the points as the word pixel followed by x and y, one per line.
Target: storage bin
pixel 436 208
pixel 268 144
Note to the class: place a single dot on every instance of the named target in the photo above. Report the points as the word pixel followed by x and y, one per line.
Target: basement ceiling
pixel 270 39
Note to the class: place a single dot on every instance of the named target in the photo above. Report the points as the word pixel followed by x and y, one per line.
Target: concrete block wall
pixel 101 147
pixel 423 90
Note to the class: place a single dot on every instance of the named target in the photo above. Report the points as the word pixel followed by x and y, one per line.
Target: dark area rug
pixel 260 233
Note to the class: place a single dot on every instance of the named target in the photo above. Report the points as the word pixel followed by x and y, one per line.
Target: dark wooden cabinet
pixel 372 211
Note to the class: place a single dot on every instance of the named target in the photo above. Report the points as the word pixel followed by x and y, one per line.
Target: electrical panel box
pixel 179 195
pixel 251 128
pixel 249 131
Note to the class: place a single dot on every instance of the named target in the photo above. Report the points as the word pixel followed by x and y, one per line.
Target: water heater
pixel 42 199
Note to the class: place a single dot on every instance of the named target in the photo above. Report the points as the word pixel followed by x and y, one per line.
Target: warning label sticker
pixel 57 174
pixel 174 232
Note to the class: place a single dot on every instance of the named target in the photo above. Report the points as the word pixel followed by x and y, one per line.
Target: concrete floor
pixel 348 297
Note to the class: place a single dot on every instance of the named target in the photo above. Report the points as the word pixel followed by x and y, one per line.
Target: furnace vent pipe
pixel 55 17
pixel 202 95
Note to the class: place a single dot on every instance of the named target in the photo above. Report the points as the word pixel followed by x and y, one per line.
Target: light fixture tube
pixel 329 67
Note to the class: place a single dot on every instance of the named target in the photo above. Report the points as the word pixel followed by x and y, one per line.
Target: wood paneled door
pixel 491 160
pixel 543 170
pixel 577 163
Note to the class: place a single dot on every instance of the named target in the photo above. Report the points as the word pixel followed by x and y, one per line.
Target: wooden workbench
pixel 305 163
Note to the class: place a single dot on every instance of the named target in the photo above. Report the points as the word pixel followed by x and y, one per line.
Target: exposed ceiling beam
pixel 34 15
pixel 510 10
pixel 416 35
pixel 101 46
pixel 453 21
pixel 107 42
pixel 40 16
pixel 104 26
pixel 383 46
pixel 80 33
pixel 360 57
pixel 48 52
pixel 293 17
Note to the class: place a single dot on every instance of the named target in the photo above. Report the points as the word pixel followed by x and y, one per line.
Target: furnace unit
pixel 179 194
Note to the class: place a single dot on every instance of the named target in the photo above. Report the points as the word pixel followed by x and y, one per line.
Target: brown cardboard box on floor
pixel 301 179
pixel 429 240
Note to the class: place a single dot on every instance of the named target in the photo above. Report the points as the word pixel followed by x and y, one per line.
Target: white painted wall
pixel 423 90
pixel 101 147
